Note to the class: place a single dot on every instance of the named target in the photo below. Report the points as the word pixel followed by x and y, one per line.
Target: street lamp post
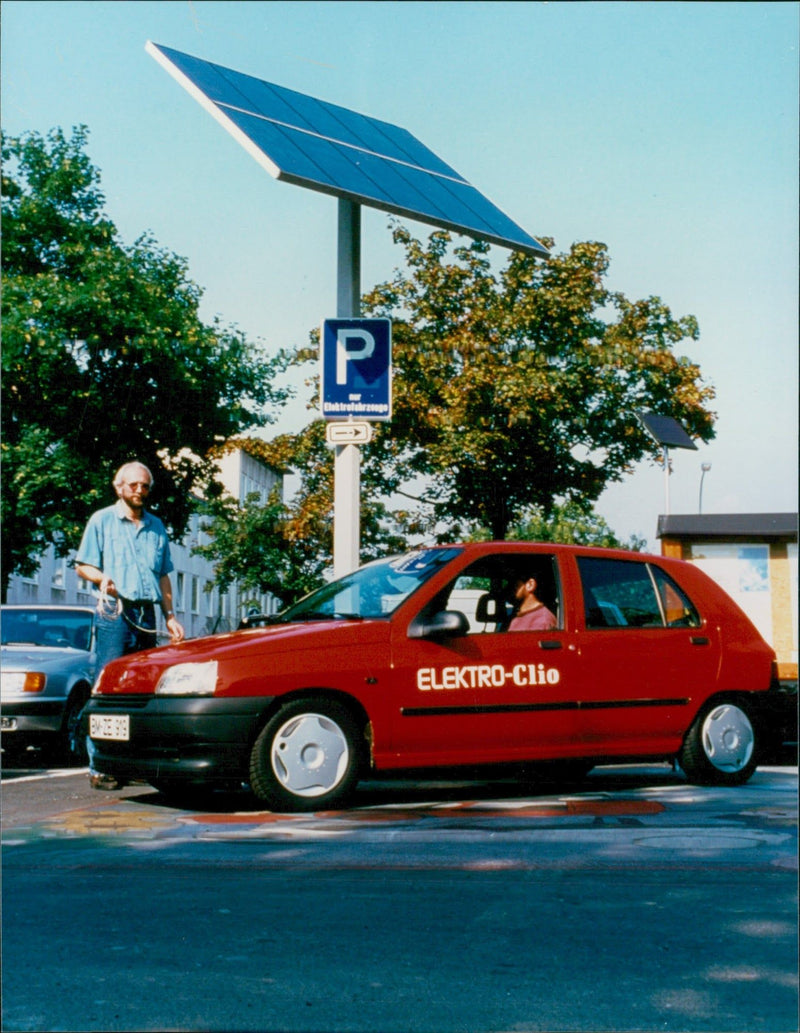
pixel 705 468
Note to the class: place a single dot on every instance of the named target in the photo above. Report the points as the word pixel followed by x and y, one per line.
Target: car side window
pixel 484 592
pixel 677 608
pixel 632 594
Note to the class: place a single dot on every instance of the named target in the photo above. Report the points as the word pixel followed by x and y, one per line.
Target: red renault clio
pixel 414 662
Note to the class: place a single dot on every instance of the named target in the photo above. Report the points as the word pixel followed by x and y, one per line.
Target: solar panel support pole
pixel 347 458
pixel 665 461
pixel 348 269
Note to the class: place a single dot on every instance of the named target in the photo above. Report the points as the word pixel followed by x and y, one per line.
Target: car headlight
pixel 188 680
pixel 22 681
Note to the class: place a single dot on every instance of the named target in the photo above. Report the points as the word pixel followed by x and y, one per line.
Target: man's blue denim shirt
pixel 135 558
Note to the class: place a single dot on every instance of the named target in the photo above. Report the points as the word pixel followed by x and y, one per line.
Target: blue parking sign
pixel 356 369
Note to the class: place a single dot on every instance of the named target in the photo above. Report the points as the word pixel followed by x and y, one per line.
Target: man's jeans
pixel 126 632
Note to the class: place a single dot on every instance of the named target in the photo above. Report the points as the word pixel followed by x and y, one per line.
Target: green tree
pixel 520 388
pixel 285 546
pixel 105 358
pixel 572 523
pixel 515 402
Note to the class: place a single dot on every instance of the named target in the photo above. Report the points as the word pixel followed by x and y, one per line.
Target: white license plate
pixel 110 726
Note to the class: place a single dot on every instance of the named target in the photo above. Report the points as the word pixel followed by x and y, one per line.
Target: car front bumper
pixel 177 739
pixel 34 717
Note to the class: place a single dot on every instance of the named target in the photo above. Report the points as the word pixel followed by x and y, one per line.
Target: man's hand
pixel 108 586
pixel 175 629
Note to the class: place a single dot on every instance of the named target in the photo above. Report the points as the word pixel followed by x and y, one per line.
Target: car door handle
pixel 699 640
pixel 549 643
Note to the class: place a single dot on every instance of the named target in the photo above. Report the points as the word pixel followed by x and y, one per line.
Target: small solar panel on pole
pixel 360 160
pixel 668 433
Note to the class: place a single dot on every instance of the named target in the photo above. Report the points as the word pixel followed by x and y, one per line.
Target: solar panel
pixel 329 148
pixel 666 431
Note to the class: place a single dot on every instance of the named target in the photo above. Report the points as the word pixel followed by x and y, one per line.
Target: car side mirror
pixel 445 624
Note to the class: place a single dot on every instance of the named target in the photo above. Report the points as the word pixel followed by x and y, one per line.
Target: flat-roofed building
pixel 753 556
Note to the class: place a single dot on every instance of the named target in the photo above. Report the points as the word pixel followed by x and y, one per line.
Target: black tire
pixel 720 748
pixel 14 750
pixel 73 738
pixel 307 757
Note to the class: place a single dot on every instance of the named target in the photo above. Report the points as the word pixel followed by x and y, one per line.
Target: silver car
pixel 47 669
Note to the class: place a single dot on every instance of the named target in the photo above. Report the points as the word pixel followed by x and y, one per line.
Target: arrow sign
pixel 351 433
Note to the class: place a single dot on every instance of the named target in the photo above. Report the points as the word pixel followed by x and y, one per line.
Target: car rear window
pixel 632 594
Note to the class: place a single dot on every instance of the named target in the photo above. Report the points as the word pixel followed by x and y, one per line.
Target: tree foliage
pixel 515 399
pixel 572 523
pixel 521 388
pixel 105 358
pixel 285 546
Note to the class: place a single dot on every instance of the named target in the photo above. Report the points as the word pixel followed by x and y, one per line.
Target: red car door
pixel 485 694
pixel 646 655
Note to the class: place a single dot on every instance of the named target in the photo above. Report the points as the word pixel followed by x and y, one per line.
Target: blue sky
pixel 669 131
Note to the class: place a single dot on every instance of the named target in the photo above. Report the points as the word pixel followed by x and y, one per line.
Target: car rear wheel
pixel 720 747
pixel 307 757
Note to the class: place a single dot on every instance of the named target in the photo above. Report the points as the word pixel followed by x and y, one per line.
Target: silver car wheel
pixel 309 755
pixel 728 738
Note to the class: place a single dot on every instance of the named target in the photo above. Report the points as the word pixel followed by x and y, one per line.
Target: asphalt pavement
pixel 632 902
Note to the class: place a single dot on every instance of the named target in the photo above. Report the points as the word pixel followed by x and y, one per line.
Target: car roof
pixel 552 547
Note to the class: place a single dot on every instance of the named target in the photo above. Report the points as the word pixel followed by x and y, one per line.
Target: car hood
pixel 40 658
pixel 139 672
pixel 271 637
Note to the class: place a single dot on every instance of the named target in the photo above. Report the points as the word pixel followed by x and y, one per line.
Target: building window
pixel 195 595
pixel 180 590
pixel 58 578
pixel 85 589
pixel 34 578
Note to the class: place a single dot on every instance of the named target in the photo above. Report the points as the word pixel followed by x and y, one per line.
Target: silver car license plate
pixel 110 726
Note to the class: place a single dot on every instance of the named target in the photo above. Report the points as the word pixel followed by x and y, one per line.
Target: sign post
pixel 355 385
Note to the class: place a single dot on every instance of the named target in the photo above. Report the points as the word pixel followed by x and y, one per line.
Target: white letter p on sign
pixel 345 355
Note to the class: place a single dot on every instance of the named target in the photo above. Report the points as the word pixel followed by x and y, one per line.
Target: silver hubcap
pixel 309 755
pixel 728 738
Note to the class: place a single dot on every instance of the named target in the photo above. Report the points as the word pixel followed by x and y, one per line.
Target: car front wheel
pixel 720 747
pixel 73 739
pixel 307 757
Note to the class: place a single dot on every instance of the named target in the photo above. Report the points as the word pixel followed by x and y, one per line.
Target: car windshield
pixel 374 590
pixel 58 629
